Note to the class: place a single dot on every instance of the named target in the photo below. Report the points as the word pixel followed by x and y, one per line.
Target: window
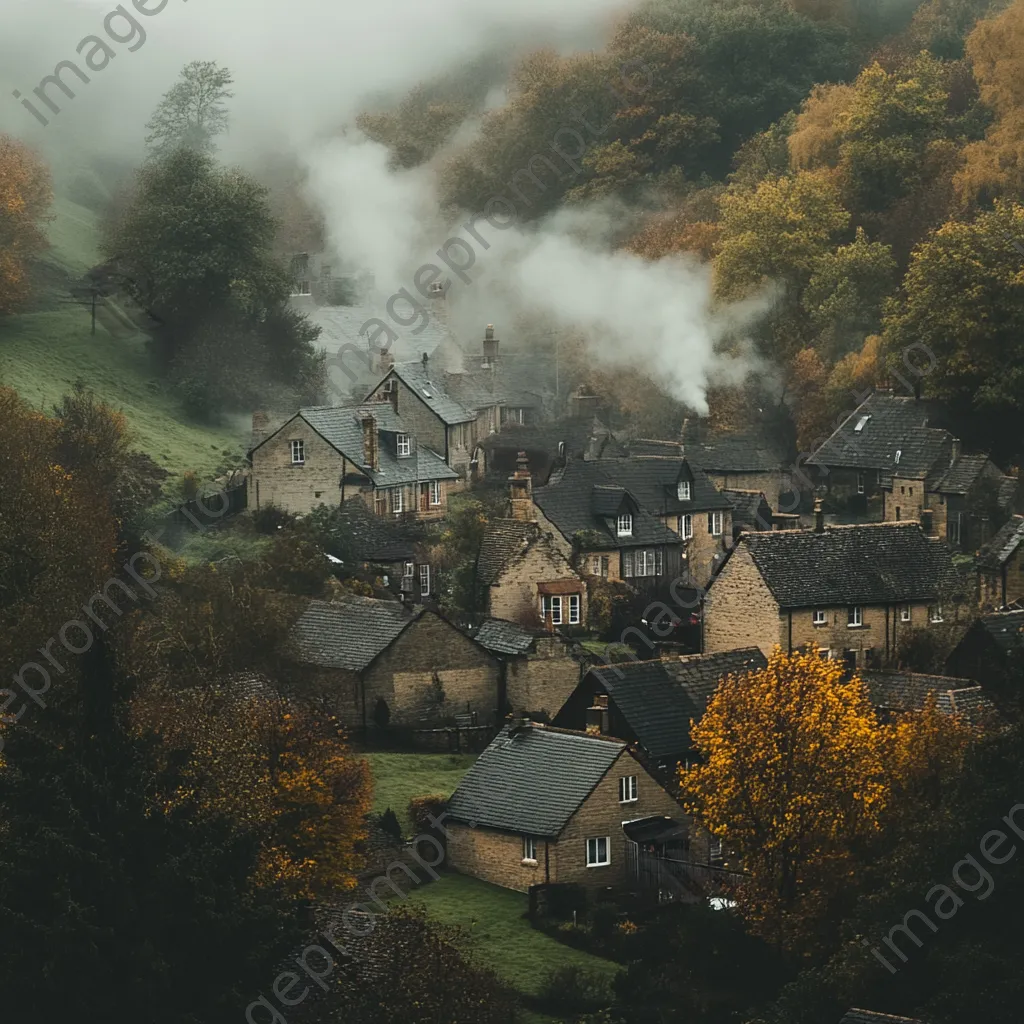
pixel 685 527
pixel 410 568
pixel 298 453
pixel 899 452
pixel 529 849
pixel 855 616
pixel 380 503
pixel 598 852
pixel 715 524
pixel 820 618
pixel 905 613
pixel 824 653
pixel 627 789
pixel 861 424
pixel 395 498
pixel 903 490
pixel 599 566
pixel 403 444
pixel 317 494
pixel 574 609
pixel 644 562
pixel 424 581
pixel 911 490
pixel 935 613
pixel 683 490
pixel 301 288
pixel 551 605
pixel 435 492
pixel 625 525
pixel 860 483
pixel 715 850
pixel 953 528
pixel 897 513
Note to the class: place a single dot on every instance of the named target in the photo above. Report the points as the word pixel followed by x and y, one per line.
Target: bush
pixel 269 519
pixel 421 807
pixel 572 989
pixel 390 824
pixel 86 190
pixel 189 484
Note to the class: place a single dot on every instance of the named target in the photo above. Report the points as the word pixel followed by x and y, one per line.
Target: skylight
pixel 861 423
pixel 899 452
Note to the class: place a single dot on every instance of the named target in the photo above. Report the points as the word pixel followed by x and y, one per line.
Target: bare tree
pixel 192 112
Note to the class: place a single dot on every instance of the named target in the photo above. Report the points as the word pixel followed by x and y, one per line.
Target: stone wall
pixel 770 483
pixel 906 500
pixel 740 610
pixel 515 596
pixel 543 681
pixel 700 550
pixel 495 857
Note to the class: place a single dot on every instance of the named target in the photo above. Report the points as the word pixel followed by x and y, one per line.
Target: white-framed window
pixel 424 581
pixel 599 852
pixel 624 527
pixel 380 502
pixel 824 653
pixel 529 849
pixel 599 566
pixel 715 524
pixel 953 528
pixel 854 616
pixel 935 613
pixel 643 562
pixel 860 483
pixel 301 288
pixel 715 850
pixel 574 609
pixel 409 570
pixel 905 613
pixel 627 789
pixel 551 605
pixel 298 453
pixel 683 490
pixel 435 492
pixel 686 526
pixel 404 447
pixel 820 618
pixel 395 500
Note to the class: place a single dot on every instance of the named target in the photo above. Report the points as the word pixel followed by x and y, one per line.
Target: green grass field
pixel 499 933
pixel 42 354
pixel 399 777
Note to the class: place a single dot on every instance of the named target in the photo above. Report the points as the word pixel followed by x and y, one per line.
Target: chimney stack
pixel 260 422
pixel 387 360
pixel 819 517
pixel 956 451
pixel 370 456
pixel 490 347
pixel 425 360
pixel 521 490
pixel 597 716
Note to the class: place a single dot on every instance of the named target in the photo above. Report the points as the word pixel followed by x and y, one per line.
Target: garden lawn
pixel 397 778
pixel 499 933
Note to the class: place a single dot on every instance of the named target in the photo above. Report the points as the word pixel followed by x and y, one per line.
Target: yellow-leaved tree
pixel 793 778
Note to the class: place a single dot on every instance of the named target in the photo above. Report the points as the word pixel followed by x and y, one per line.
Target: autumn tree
pixel 193 111
pixel 26 193
pixel 793 777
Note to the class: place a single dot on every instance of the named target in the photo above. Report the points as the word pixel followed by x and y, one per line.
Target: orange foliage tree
pixel 26 193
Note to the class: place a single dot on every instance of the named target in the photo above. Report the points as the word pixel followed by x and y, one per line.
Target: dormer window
pixel 683 490
pixel 403 444
pixel 624 527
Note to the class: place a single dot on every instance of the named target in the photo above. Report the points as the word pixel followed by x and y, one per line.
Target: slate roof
pixel 652 480
pixel 659 699
pixel 374 538
pixel 348 633
pixel 1005 628
pixel 962 475
pixel 728 452
pixel 503 540
pixel 877 563
pixel 750 509
pixel 922 451
pixel 429 386
pixel 855 1016
pixel 579 435
pixel 909 691
pixel 502 637
pixel 1002 546
pixel 890 418
pixel 532 780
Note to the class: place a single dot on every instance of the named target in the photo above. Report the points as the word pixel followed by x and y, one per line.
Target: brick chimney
pixel 583 405
pixel 955 452
pixel 597 716
pixel 387 360
pixel 490 347
pixel 819 517
pixel 260 425
pixel 370 456
pixel 520 486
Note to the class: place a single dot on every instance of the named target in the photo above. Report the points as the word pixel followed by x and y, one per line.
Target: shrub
pixel 572 989
pixel 269 519
pixel 189 484
pixel 421 807
pixel 390 824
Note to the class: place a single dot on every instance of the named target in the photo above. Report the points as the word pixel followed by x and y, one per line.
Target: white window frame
pixel 819 617
pixel 575 604
pixel 716 523
pixel 594 852
pixel 424 580
pixel 435 492
pixel 624 525
pixel 935 613
pixel 854 616
pixel 686 526
pixel 529 850
pixel 404 445
pixel 861 483
pixel 683 490
pixel 396 499
pixel 298 448
pixel 905 613
pixel 627 789
pixel 409 570
pixel 554 604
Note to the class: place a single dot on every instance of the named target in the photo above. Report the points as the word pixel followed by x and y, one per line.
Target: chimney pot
pixel 955 452
pixel 490 346
pixel 819 517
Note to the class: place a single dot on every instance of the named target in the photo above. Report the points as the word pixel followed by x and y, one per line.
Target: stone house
pixel 848 591
pixel 548 446
pixel 328 455
pixel 653 704
pixel 525 577
pixel 901 693
pixel 751 511
pixel 386 664
pixel 544 805
pixel 991 652
pixel 602 527
pixel 1000 567
pixel 540 667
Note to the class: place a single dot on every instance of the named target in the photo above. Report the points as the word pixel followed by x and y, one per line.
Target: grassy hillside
pixel 42 354
pixel 397 778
